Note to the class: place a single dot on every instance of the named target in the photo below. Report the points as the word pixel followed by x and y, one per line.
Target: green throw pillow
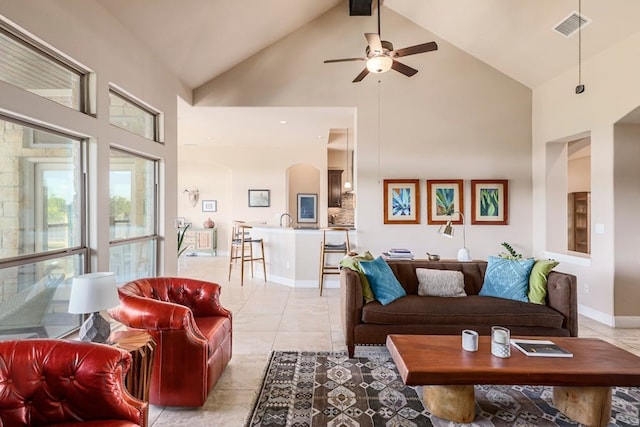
pixel 538 280
pixel 353 263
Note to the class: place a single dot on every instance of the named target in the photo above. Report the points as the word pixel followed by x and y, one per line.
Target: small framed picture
pixel 402 201
pixel 490 201
pixel 180 222
pixel 444 197
pixel 259 198
pixel 209 206
pixel 307 207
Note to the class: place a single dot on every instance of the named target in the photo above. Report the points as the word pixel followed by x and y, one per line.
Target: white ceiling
pixel 200 39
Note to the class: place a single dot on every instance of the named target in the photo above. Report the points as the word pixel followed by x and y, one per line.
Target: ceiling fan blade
pixel 412 50
pixel 374 42
pixel 404 69
pixel 361 76
pixel 328 61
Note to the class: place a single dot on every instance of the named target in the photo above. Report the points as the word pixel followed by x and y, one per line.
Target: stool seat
pixel 242 249
pixel 329 246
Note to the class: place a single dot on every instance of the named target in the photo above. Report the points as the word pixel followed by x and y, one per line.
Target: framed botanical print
pixel 402 201
pixel 490 201
pixel 444 197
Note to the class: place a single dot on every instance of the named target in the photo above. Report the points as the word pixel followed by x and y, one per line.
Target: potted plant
pixel 181 232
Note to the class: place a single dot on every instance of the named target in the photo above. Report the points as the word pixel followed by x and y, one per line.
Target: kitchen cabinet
pixel 335 188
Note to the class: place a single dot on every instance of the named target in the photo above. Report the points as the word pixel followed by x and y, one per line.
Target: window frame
pixel 155 114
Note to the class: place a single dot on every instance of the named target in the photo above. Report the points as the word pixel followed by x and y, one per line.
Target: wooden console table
pixel 142 347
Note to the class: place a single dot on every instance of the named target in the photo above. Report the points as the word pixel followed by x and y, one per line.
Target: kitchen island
pixel 293 254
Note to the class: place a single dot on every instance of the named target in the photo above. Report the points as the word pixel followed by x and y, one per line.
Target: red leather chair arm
pixel 204 297
pixel 146 313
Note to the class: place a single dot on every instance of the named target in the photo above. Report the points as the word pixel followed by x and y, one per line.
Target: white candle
pixel 500 336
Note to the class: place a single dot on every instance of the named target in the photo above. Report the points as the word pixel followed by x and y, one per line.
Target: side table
pixel 142 347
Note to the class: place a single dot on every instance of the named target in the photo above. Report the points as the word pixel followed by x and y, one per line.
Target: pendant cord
pixel 579 41
pixel 379 145
pixel 379 18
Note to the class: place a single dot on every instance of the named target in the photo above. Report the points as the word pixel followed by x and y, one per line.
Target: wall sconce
pixel 193 195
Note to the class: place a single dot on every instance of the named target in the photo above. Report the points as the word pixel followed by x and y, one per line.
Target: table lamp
pixel 91 293
pixel 447 231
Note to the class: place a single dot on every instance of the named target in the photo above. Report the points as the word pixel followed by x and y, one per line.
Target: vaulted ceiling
pixel 200 39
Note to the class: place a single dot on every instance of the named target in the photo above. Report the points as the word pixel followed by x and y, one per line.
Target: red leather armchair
pixel 56 382
pixel 192 331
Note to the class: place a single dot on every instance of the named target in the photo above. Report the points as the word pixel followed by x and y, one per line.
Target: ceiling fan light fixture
pixel 379 63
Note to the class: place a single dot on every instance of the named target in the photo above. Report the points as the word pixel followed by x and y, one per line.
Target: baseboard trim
pixel 596 315
pixel 627 322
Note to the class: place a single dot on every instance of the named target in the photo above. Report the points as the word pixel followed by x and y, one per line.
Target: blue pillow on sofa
pixel 383 282
pixel 507 278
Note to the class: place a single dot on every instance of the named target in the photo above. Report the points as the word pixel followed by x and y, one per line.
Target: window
pixel 133 208
pixel 42 243
pixel 29 65
pixel 130 115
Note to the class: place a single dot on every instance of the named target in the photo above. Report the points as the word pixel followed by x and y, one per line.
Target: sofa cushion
pixel 507 278
pixel 384 284
pixel 471 310
pixel 538 280
pixel 440 283
pixel 353 262
pixel 214 329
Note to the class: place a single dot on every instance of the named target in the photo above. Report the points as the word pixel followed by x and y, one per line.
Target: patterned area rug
pixel 303 389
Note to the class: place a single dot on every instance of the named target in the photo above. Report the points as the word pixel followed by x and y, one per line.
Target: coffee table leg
pixel 451 402
pixel 590 406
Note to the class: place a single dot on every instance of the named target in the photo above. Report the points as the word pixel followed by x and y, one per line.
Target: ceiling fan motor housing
pixel 387 48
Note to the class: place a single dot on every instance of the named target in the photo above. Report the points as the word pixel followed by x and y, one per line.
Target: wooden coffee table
pixel 582 383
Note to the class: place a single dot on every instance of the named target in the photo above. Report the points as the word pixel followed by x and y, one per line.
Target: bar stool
pixel 242 249
pixel 327 248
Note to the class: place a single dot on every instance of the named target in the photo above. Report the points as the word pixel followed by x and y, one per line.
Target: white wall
pixel 612 91
pixel 85 32
pixel 457 118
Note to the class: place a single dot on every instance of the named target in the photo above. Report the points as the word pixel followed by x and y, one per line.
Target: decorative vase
pixel 209 223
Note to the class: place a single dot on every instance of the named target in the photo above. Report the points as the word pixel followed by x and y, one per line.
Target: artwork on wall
pixel 209 206
pixel 443 198
pixel 490 201
pixel 307 207
pixel 402 201
pixel 259 198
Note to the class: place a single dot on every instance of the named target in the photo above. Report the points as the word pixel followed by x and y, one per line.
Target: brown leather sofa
pixel 67 383
pixel 369 324
pixel 192 331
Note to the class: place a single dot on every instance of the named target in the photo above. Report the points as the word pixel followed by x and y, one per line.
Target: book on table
pixel 398 254
pixel 540 348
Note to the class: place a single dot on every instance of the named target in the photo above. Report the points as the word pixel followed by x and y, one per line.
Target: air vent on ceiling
pixel 569 25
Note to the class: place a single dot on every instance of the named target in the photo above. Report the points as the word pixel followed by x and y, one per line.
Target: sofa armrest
pixel 562 297
pixel 351 303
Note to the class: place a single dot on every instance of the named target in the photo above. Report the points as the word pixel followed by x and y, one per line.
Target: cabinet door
pixel 335 188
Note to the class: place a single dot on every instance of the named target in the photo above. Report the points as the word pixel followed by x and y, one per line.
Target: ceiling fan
pixel 380 55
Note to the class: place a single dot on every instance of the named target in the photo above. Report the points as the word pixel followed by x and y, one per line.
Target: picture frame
pixel 209 206
pixel 307 207
pixel 401 201
pixel 445 196
pixel 180 222
pixel 490 201
pixel 259 198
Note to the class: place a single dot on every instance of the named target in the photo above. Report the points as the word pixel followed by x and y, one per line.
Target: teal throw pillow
pixel 507 278
pixel 538 280
pixel 353 263
pixel 384 284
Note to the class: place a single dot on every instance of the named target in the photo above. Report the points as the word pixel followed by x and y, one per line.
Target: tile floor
pixel 267 317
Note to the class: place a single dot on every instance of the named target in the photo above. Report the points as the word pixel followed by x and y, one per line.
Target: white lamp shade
pixel 93 292
pixel 379 64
